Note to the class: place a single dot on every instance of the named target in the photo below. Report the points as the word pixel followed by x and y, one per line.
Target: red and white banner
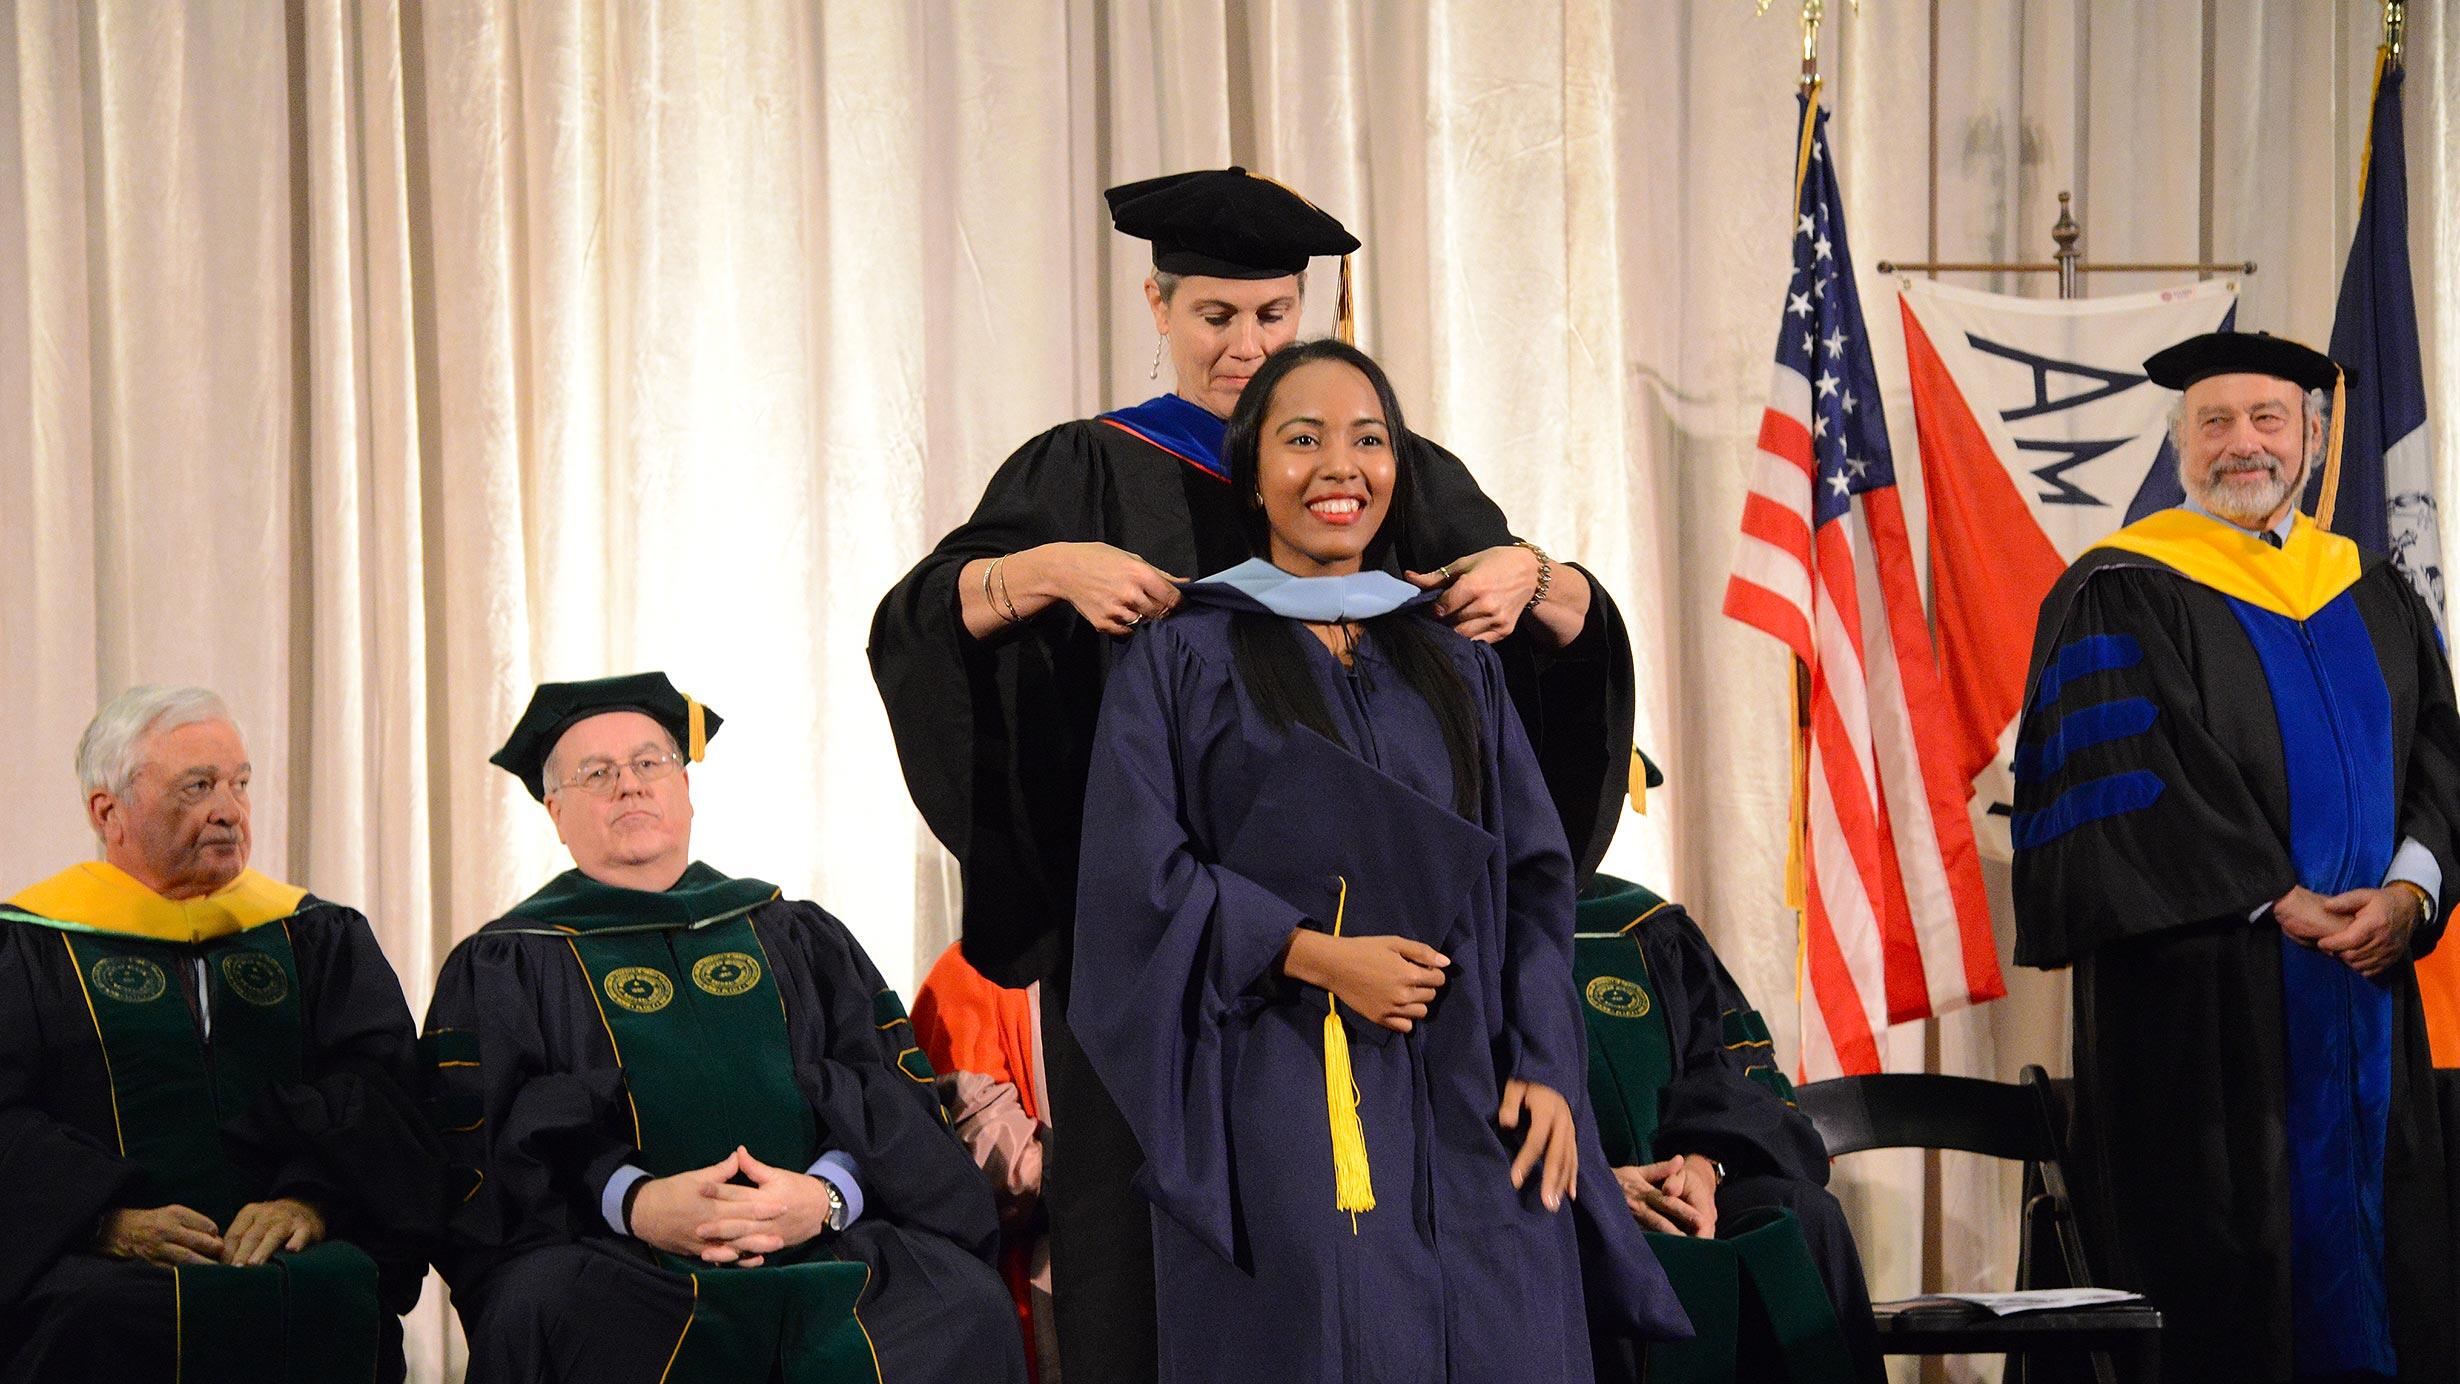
pixel 2039 435
pixel 1895 926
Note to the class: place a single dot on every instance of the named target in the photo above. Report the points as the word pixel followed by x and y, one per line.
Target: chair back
pixel 1921 1110
pixel 2023 1122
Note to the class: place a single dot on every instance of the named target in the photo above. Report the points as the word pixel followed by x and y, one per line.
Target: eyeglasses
pixel 598 780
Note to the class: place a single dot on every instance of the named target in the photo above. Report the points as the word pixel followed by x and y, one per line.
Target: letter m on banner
pixel 2039 435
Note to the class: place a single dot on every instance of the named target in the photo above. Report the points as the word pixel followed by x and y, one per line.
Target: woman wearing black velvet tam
pixel 992 652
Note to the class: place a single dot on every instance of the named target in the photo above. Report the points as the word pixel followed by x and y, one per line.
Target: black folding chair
pixel 2024 1122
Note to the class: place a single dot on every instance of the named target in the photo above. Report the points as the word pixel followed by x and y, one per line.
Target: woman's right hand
pixel 1389 980
pixel 1112 588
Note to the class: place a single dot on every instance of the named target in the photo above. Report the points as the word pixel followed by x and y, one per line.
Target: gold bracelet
pixel 1012 616
pixel 1546 571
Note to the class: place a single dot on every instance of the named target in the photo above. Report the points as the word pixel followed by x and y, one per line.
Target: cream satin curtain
pixel 372 361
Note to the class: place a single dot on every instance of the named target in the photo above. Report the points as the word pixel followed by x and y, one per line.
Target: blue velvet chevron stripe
pixel 2335 715
pixel 2132 791
pixel 2099 724
pixel 2095 653
pixel 2081 730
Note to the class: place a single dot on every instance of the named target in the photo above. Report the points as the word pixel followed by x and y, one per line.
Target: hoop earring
pixel 1158 343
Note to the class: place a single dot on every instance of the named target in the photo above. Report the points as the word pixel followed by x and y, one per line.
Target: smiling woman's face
pixel 1324 469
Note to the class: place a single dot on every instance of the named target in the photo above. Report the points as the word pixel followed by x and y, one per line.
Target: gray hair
pixel 111 750
pixel 1166 284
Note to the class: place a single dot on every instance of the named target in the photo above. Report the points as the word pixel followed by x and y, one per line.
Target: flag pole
pixel 1812 12
pixel 1798 815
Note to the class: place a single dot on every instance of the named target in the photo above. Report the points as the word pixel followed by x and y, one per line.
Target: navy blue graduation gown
pixel 1183 911
pixel 994 736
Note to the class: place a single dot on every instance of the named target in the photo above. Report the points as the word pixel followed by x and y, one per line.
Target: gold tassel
pixel 1353 1176
pixel 696 743
pixel 1639 784
pixel 1345 314
pixel 2329 499
pixel 1345 311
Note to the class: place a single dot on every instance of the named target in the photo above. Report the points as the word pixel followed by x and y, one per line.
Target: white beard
pixel 2245 500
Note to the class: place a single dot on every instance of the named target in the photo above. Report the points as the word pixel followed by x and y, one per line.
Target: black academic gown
pixel 528 1080
pixel 350 1139
pixel 994 737
pixel 1212 837
pixel 2186 755
pixel 1724 1098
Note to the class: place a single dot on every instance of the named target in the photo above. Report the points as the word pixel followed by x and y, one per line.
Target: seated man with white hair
pixel 211 1167
pixel 692 1134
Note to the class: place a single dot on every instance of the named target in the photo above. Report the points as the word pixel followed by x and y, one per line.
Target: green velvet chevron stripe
pixel 1744 1029
pixel 897 1031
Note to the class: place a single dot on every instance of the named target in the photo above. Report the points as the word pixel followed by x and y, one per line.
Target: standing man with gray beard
pixel 2237 818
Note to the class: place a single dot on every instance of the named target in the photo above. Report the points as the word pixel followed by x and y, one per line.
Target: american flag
pixel 1895 925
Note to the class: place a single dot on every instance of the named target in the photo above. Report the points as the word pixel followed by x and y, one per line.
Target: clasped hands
pixel 2367 929
pixel 177 1237
pixel 1676 1196
pixel 705 1214
pixel 1390 981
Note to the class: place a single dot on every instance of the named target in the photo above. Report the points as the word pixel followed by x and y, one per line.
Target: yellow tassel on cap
pixel 1353 1177
pixel 2329 500
pixel 696 742
pixel 1639 788
pixel 1345 312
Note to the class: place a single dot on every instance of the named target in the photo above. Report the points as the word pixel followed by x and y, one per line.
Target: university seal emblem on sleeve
pixel 727 973
pixel 639 988
pixel 130 979
pixel 256 978
pixel 1619 997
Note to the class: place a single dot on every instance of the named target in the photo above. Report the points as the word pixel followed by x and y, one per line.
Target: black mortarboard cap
pixel 1226 223
pixel 557 707
pixel 2241 353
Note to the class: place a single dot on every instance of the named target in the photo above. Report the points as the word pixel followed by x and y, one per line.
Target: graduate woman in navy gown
pixel 1323 960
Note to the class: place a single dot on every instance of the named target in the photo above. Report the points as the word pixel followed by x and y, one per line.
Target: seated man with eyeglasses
pixel 692 1136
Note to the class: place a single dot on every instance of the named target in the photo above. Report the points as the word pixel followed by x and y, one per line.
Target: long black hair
pixel 1271 661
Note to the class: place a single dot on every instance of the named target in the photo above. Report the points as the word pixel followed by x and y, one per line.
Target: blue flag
pixel 2386 492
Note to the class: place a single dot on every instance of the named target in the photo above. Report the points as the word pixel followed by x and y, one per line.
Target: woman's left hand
pixel 1549 1145
pixel 1488 590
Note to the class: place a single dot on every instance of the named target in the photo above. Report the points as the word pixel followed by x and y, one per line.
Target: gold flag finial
pixel 2395 28
pixel 1813 12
